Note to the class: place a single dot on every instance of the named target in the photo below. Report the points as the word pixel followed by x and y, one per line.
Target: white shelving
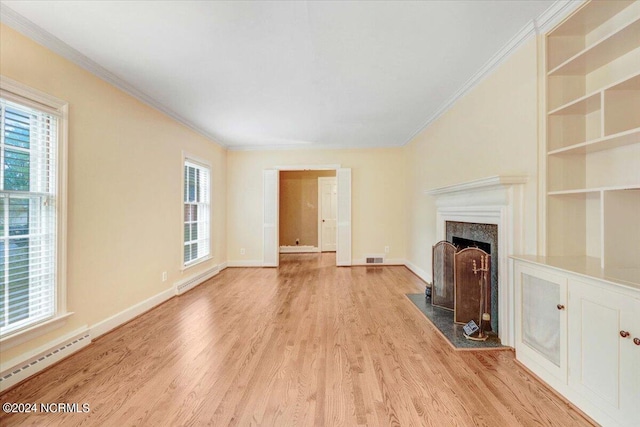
pixel 604 51
pixel 593 138
pixel 596 47
pixel 608 142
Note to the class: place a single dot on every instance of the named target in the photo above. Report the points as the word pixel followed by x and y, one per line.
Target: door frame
pixel 320 180
pixel 271 212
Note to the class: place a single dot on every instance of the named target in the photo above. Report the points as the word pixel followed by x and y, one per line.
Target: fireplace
pixel 495 202
pixel 485 237
pixel 462 243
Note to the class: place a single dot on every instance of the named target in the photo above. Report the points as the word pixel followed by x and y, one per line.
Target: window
pixel 196 212
pixel 29 213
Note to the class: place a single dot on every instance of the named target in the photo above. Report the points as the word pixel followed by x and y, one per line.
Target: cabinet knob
pixel 636 341
pixel 624 334
pixel 560 307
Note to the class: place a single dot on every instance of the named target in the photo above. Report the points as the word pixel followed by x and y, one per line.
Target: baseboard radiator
pixel 13 376
pixel 192 282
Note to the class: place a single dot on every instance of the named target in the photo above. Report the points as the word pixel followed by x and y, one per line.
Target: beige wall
pixel 490 131
pixel 299 207
pixel 378 185
pixel 125 177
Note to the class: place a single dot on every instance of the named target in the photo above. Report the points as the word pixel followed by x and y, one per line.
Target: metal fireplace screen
pixel 442 291
pixel 467 286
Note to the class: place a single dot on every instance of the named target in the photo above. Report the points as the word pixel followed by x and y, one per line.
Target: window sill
pixel 198 262
pixel 24 335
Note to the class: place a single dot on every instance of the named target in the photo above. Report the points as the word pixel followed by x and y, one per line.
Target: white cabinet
pixel 541 323
pixel 581 335
pixel 604 360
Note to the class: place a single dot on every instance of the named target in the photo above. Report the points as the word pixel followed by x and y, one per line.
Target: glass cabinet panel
pixel 541 317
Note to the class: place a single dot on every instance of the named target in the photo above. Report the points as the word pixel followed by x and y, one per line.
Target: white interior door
pixel 270 241
pixel 327 213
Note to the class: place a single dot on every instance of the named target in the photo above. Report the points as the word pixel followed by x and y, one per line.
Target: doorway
pixel 271 213
pixel 300 211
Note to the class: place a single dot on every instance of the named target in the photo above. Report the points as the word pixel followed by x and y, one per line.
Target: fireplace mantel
pixel 488 183
pixel 491 190
pixel 493 200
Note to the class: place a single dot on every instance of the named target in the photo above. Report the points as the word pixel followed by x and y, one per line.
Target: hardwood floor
pixel 305 344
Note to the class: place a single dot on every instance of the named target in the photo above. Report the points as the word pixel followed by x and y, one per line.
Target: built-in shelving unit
pixel 593 139
pixel 577 307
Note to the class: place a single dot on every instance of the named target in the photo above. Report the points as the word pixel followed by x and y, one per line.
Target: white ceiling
pixel 291 73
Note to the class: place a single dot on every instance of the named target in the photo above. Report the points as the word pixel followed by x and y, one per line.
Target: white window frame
pixel 25 95
pixel 204 164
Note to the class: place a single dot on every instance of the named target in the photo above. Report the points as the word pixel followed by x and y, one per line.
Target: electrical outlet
pixel 164 276
pixel 386 249
pixel 242 251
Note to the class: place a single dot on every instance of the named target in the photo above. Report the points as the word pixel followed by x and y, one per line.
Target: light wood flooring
pixel 305 344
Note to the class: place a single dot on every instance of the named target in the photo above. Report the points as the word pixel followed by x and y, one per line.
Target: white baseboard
pixel 243 263
pixel 124 316
pixel 22 367
pixel 426 277
pixel 298 249
pixel 222 266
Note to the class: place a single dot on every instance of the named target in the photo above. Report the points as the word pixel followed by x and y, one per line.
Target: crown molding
pixel 547 19
pixel 297 147
pixel 24 26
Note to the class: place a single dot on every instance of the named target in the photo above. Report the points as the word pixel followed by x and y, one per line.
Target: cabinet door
pixel 605 363
pixel 541 322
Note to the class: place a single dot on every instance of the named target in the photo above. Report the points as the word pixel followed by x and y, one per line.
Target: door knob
pixel 624 334
pixel 560 307
pixel 636 341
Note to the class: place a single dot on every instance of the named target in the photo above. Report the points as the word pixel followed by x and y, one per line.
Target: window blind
pixel 196 211
pixel 28 150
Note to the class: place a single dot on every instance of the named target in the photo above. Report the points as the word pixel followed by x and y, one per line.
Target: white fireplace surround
pixel 493 200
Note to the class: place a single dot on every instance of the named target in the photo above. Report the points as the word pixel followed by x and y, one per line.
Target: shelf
pixel 609 142
pixel 586 19
pixel 593 190
pixel 631 82
pixel 602 52
pixel 587 24
pixel 585 105
pixel 571 192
